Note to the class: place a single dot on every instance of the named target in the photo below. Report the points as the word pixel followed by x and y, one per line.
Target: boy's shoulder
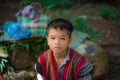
pixel 75 54
pixel 74 51
pixel 43 54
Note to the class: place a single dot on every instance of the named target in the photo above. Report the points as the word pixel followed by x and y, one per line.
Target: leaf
pixel 5 60
pixel 1 67
pixel 2 63
pixel 49 8
pixel 12 46
pixel 27 46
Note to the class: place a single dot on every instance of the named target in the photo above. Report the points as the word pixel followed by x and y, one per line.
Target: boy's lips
pixel 57 47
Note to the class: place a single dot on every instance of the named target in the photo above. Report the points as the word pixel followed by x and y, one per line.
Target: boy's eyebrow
pixel 63 36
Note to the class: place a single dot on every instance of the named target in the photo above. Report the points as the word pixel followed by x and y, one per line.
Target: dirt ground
pixel 112 40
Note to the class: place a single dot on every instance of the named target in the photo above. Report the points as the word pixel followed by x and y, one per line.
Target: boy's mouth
pixel 57 47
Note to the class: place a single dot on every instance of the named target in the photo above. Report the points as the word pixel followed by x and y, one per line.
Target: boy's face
pixel 58 40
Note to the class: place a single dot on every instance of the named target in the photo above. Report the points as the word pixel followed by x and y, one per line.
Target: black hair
pixel 60 23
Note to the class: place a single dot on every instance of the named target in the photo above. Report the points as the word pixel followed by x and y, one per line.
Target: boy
pixel 61 62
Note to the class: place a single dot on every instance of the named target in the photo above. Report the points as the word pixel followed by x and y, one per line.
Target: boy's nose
pixel 57 42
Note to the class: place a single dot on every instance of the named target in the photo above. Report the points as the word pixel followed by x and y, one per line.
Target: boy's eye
pixel 52 38
pixel 63 38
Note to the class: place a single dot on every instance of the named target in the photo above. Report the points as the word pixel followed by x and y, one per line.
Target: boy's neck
pixel 59 57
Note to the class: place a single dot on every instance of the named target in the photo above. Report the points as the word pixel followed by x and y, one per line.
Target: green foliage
pixel 25 2
pixel 46 3
pixel 24 45
pixel 58 13
pixel 66 3
pixel 88 4
pixel 56 3
pixel 81 25
pixel 38 46
pixel 108 12
pixel 11 73
pixel 2 63
pixel 4 48
pixel 3 60
pixel 35 46
pixel 49 8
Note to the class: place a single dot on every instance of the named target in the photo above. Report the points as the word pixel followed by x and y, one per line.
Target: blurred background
pixel 99 19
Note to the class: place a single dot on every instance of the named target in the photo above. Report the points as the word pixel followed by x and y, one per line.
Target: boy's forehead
pixel 57 30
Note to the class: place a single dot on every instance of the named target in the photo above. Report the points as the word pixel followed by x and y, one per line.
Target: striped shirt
pixel 84 73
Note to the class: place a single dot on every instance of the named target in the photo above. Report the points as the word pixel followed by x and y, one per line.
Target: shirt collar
pixel 67 58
